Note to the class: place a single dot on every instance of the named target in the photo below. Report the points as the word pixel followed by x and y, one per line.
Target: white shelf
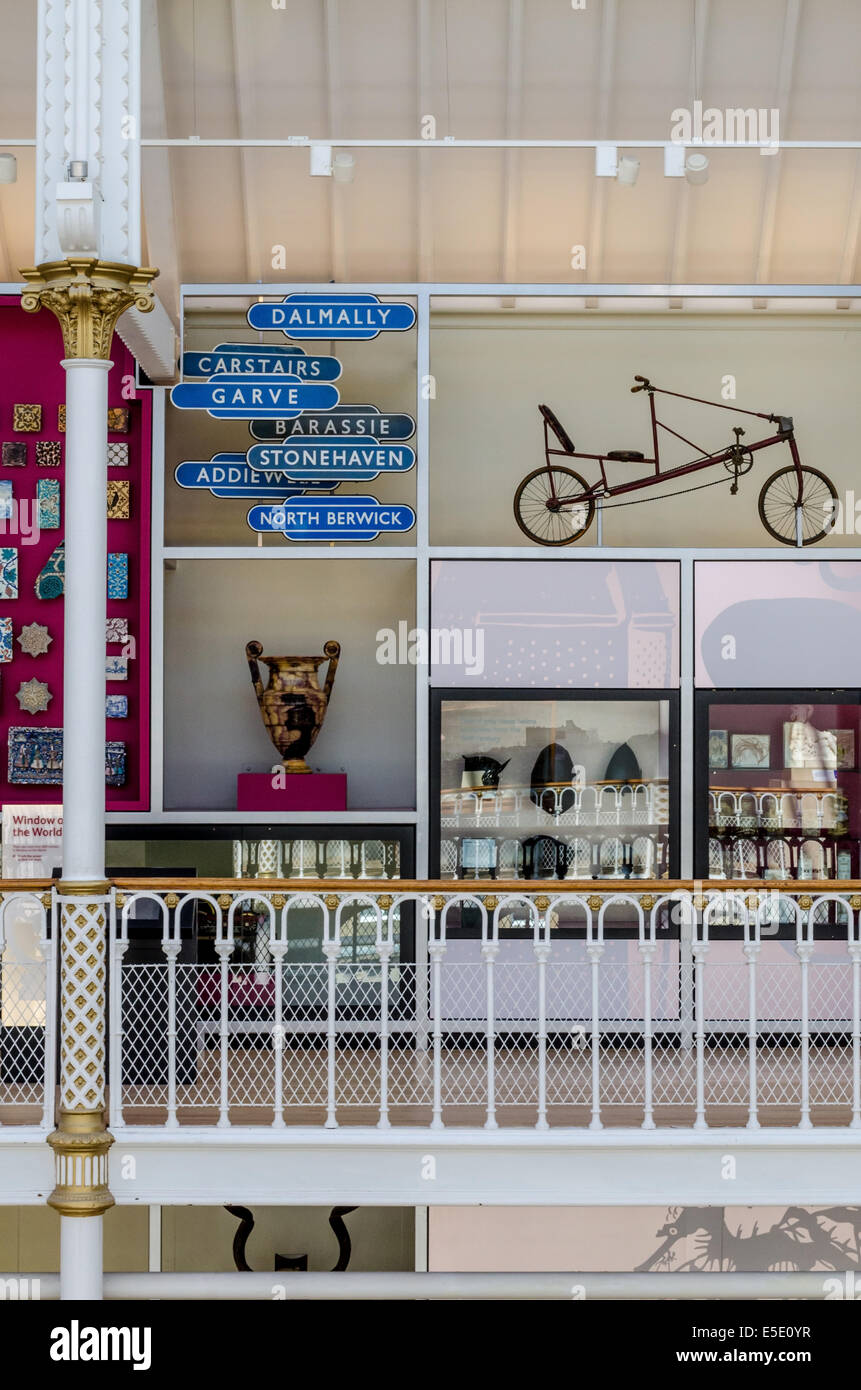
pixel 205 816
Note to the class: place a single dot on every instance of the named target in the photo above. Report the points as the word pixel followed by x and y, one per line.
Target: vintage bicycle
pixel 554 505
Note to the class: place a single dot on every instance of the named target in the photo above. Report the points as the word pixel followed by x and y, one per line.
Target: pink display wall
pixel 31 347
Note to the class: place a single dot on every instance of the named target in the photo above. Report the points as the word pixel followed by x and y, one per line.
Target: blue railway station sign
pixel 347 419
pixel 359 317
pixel 230 475
pixel 332 519
pixel 231 397
pixel 304 458
pixel 234 359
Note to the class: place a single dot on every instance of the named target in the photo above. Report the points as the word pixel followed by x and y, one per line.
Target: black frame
pixel 703 701
pixel 567 693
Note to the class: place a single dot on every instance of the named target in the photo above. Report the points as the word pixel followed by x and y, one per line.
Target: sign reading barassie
pixel 335 519
pixel 355 316
pixel 347 419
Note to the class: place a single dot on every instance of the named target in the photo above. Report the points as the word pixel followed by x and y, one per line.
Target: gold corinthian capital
pixel 87 296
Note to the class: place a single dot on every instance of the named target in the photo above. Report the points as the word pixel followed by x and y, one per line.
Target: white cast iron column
pixel 87 296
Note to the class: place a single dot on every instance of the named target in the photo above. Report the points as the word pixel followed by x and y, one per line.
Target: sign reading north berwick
pixel 349 459
pixel 253 397
pixel 333 316
pixel 246 359
pixel 347 419
pixel 336 519
pixel 230 475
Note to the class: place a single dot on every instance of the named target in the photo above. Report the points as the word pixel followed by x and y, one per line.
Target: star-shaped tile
pixel 35 639
pixel 34 696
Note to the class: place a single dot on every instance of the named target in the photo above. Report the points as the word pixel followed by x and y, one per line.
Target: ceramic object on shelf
pixel 34 639
pixel 623 766
pixel 33 696
pixel 481 771
pixel 552 775
pixel 293 705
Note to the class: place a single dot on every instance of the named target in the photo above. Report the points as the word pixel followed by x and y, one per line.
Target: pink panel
pixel 314 791
pixel 31 348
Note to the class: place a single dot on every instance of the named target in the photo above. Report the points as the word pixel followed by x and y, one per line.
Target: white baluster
pixel 542 954
pixel 489 952
pixel 751 952
pixel 855 957
pixel 647 953
pixel 436 951
pixel 595 950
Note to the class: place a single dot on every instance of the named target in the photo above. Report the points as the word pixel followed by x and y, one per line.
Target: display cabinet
pixel 777 784
pixel 544 785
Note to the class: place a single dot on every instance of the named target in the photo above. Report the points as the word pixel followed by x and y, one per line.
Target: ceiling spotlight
pixel 696 168
pixel 8 168
pixel 321 161
pixel 344 167
pixel 608 165
pixel 627 170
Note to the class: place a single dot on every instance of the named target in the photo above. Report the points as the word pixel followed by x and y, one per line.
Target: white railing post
pixel 385 947
pixel 50 928
pixel 489 952
pixel 699 952
pixel 117 946
pixel 278 950
pixel 751 951
pixel 541 946
pixel 804 951
pixel 331 950
pixel 223 950
pixel 647 954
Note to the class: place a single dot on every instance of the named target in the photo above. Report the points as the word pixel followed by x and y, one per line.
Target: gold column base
pixel 80 1144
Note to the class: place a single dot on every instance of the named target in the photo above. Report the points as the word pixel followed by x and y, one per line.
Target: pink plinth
pixel 304 791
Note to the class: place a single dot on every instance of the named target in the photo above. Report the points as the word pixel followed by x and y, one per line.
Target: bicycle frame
pixel 733 453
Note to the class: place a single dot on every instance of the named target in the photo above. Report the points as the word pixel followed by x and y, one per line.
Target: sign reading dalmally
pixel 235 359
pixel 228 397
pixel 347 419
pixel 230 475
pixel 349 459
pixel 333 316
pixel 335 519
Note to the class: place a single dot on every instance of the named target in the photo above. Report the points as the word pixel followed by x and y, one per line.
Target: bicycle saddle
pixel 626 456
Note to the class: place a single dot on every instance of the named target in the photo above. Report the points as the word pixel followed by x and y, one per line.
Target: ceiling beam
pixel 513 111
pixel 243 96
pixel 771 180
pixel 338 240
pixel 424 92
pixel 849 257
pixel 157 183
pixel 606 57
pixel 681 222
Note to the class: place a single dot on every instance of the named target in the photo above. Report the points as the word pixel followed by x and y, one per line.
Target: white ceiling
pixel 491 69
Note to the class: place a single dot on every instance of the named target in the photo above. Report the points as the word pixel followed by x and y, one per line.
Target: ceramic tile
pixel 33 696
pixel 118 575
pixel 48 497
pixel 35 757
pixel 51 579
pixel 8 571
pixel 116 706
pixel 118 455
pixel 116 668
pixel 6 649
pixel 61 419
pixel 27 419
pixel 49 453
pixel 115 764
pixel 34 638
pixel 5 499
pixel 118 419
pixel 119 500
pixel 14 453
pixel 116 629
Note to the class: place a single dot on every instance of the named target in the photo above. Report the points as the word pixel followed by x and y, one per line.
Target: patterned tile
pixel 116 629
pixel 36 757
pixel 5 500
pixel 8 571
pixel 48 497
pixel 118 454
pixel 34 638
pixel 49 453
pixel 27 419
pixel 6 652
pixel 34 696
pixel 51 579
pixel 118 419
pixel 119 499
pixel 116 668
pixel 116 706
pixel 118 575
pixel 14 453
pixel 115 764
pixel 61 419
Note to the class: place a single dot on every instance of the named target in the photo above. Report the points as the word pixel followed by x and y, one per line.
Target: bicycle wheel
pixel 538 513
pixel 777 502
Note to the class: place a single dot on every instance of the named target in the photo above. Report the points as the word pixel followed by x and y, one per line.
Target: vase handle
pixel 253 651
pixel 333 651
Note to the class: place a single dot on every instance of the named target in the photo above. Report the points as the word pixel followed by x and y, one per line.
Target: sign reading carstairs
pixel 236 359
pixel 333 316
pixel 336 519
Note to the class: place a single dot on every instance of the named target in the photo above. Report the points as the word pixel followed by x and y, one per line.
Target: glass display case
pixel 778 788
pixel 544 786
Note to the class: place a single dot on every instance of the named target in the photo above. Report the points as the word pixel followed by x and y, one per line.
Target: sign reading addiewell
pixel 248 359
pixel 347 419
pixel 230 475
pixel 335 519
pixel 227 397
pixel 333 316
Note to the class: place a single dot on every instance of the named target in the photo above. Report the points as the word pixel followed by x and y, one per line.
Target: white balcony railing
pixel 263 1003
